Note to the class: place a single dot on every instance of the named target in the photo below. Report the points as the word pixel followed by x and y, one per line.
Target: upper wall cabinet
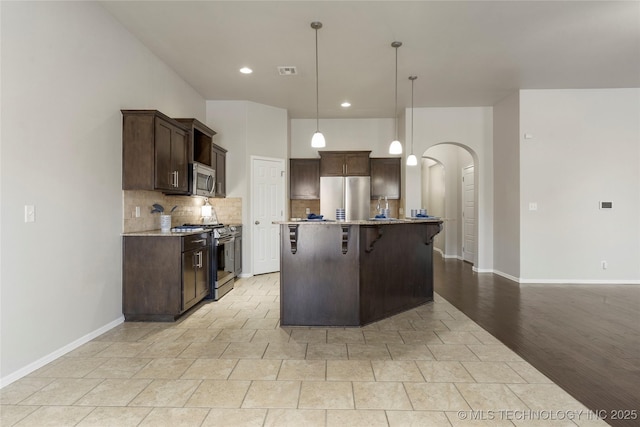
pixel 154 152
pixel 385 177
pixel 344 163
pixel 201 137
pixel 219 159
pixel 304 179
pixel 206 152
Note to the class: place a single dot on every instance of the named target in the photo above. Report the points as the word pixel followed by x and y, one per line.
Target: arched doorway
pixel 456 192
pixel 433 195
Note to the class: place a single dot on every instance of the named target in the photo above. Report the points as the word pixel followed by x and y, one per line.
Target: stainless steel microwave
pixel 203 180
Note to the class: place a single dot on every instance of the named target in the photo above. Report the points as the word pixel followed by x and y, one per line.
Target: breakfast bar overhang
pixel 352 273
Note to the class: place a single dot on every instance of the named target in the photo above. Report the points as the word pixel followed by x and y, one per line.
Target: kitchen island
pixel 355 272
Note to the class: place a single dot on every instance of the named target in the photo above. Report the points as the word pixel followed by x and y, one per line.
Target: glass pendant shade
pixel 412 160
pixel 395 147
pixel 317 140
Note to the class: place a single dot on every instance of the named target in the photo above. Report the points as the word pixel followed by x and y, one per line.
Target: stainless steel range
pixel 221 277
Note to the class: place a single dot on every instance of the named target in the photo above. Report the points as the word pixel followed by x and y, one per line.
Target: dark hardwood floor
pixel 586 338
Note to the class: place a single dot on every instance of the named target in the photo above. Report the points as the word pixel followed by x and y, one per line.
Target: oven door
pixel 224 270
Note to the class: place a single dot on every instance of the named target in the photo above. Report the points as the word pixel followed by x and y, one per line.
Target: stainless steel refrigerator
pixel 353 193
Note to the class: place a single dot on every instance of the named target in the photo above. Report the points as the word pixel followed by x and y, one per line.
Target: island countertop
pixel 380 221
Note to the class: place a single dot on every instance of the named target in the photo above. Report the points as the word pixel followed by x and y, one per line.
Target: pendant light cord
pixel 396 105
pixel 413 79
pixel 317 91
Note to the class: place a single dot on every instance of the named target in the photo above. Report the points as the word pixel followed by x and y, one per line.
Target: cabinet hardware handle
pixel 199 241
pixel 174 178
pixel 200 259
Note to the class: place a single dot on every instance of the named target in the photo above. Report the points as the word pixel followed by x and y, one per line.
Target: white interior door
pixel 267 206
pixel 468 215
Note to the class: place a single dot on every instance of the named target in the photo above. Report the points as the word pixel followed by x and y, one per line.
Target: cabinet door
pixel 357 164
pixel 332 164
pixel 221 174
pixel 171 158
pixel 304 179
pixel 202 274
pixel 188 279
pixel 179 159
pixel 163 168
pixel 385 178
pixel 238 256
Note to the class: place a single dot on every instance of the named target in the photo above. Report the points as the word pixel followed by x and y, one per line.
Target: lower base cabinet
pixel 164 276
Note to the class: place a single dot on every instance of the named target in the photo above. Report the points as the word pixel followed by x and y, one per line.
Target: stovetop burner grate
pixel 196 227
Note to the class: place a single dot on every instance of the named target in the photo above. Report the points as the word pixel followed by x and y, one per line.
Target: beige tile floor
pixel 230 364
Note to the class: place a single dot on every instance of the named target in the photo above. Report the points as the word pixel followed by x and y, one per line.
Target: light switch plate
pixel 533 206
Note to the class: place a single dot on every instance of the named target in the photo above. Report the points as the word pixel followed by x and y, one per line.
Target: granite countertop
pixel 161 233
pixel 382 221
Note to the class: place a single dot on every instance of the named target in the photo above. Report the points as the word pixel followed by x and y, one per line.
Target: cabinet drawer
pixel 195 241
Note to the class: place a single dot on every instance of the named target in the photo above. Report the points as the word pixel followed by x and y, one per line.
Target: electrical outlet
pixel 137 212
pixel 604 265
pixel 29 213
pixel 533 206
pixel 307 211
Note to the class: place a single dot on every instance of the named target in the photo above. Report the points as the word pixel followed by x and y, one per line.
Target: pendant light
pixel 412 160
pixel 317 141
pixel 396 146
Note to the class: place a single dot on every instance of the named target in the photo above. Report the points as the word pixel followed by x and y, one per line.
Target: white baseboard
pixel 482 270
pixel 5 381
pixel 245 275
pixel 580 281
pixel 506 276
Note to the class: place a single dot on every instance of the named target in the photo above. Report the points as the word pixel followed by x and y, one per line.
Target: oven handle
pixel 224 240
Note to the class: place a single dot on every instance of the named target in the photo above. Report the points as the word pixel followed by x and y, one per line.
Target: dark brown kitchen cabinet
pixel 201 141
pixel 155 152
pixel 220 165
pixel 304 179
pixel 386 178
pixel 163 276
pixel 344 163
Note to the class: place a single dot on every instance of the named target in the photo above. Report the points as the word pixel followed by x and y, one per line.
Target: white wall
pixel 585 149
pixel 67 70
pixel 247 129
pixel 471 128
pixel 506 180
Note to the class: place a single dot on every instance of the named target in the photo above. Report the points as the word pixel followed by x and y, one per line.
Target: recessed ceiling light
pixel 246 70
pixel 345 104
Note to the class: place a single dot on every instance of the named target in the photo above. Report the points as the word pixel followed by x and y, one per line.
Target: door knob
pixel 257 222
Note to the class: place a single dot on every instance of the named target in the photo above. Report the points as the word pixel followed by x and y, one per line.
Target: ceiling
pixel 465 53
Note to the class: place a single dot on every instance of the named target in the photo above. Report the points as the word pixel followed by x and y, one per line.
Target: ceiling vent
pixel 287 71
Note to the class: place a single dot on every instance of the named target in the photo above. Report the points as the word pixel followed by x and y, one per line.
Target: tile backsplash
pixel 298 208
pixel 228 210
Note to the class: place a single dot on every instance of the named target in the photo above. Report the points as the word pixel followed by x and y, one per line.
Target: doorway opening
pixel 449 190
